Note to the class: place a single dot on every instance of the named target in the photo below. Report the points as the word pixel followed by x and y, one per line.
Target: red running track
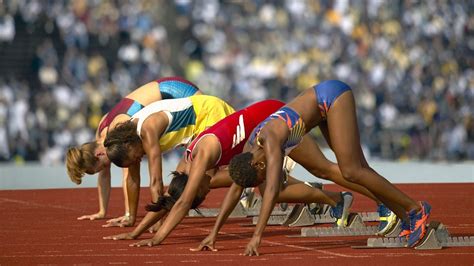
pixel 39 227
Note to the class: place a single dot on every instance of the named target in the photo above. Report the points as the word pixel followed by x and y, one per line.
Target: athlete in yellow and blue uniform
pixel 160 127
pixel 187 118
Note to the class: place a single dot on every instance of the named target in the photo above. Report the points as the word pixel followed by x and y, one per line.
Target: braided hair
pixel 175 189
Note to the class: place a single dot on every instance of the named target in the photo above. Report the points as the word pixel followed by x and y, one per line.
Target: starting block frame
pixel 437 237
pixel 239 212
pixel 355 227
pixel 302 216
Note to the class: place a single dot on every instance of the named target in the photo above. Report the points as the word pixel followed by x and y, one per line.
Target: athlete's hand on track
pixel 120 236
pixel 124 221
pixel 116 220
pixel 146 243
pixel 252 246
pixel 95 216
pixel 206 244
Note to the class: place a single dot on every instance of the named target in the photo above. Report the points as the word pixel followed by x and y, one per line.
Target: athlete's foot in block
pixel 405 230
pixel 388 220
pixel 342 209
pixel 418 221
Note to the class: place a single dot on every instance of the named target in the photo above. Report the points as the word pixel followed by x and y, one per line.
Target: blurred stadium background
pixel 63 64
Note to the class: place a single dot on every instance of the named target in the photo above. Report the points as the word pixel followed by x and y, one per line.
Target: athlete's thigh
pixel 309 155
pixel 343 130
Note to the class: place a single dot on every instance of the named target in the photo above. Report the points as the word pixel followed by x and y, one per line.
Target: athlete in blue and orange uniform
pixel 331 106
pixel 91 158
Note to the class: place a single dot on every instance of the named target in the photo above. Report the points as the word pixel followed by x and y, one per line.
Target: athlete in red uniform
pixel 228 137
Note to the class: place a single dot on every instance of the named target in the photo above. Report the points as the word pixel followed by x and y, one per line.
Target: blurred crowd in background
pixel 64 64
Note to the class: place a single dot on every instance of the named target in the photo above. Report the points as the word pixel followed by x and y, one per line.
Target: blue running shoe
pixel 405 233
pixel 418 224
pixel 388 219
pixel 341 210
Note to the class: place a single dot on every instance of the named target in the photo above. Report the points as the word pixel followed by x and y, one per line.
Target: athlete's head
pixel 123 145
pixel 89 158
pixel 175 189
pixel 247 169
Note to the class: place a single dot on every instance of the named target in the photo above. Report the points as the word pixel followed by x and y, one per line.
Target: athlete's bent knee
pixel 351 173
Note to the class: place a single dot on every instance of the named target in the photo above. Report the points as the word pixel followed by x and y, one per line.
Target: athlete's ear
pixel 99 153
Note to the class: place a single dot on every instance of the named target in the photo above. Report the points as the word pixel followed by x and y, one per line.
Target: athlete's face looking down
pixel 134 155
pixel 259 163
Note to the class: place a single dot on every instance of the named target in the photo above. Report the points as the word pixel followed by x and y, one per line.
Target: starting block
pixel 239 211
pixel 301 215
pixel 355 227
pixel 437 237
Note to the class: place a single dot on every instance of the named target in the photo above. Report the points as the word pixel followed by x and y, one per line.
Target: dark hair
pixel 175 189
pixel 241 170
pixel 117 141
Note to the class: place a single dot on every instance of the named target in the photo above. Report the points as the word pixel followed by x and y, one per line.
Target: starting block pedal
pixel 437 237
pixel 395 230
pixel 355 227
pixel 238 212
pixel 301 215
pixel 298 216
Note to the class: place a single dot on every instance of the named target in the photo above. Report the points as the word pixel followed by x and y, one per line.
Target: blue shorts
pixel 175 88
pixel 327 92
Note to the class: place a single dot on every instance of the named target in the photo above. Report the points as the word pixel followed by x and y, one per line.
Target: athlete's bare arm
pixel 150 219
pixel 230 201
pixel 152 129
pixel 203 159
pixel 103 184
pixel 272 137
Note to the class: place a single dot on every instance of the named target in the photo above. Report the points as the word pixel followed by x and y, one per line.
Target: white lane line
pixel 34 204
pixel 286 245
pixel 215 254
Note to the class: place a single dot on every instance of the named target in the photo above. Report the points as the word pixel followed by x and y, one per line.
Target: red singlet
pixel 234 130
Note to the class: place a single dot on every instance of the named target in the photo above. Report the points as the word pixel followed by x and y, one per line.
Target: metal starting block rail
pixel 302 216
pixel 239 212
pixel 437 237
pixel 355 227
